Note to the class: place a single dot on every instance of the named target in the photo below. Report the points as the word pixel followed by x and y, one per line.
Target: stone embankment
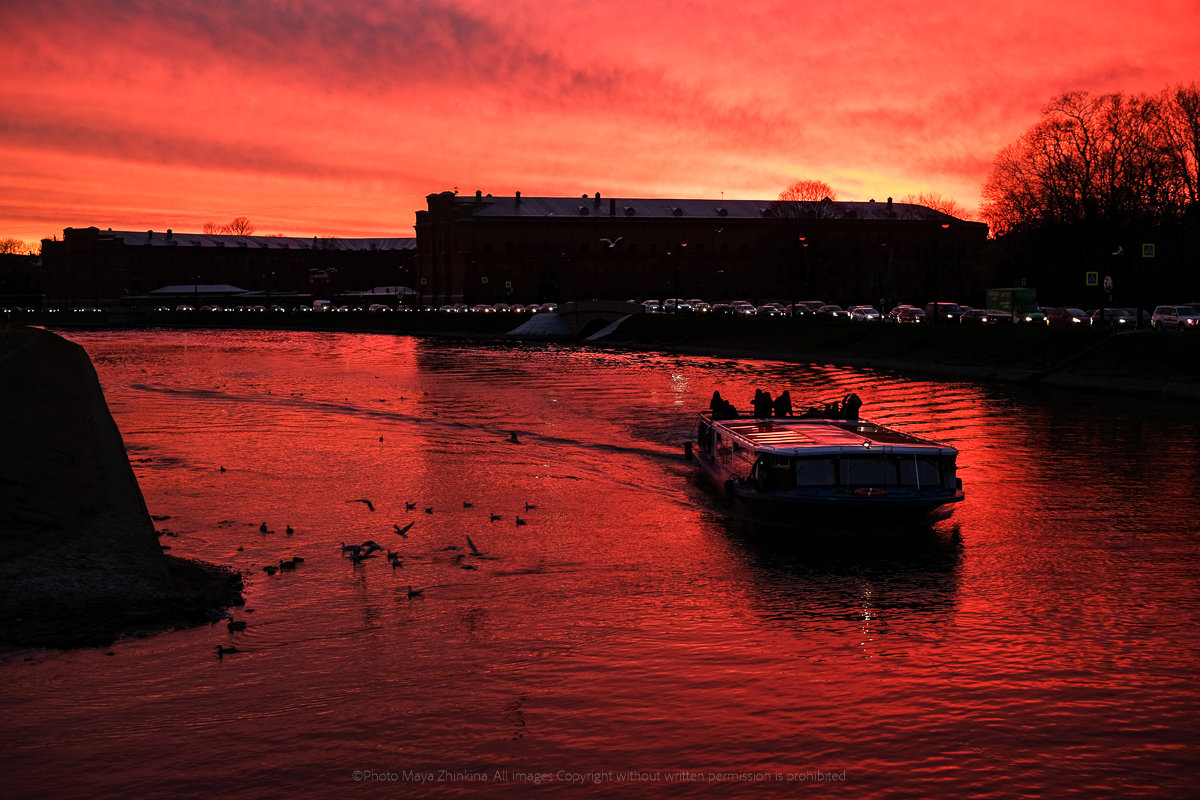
pixel 80 562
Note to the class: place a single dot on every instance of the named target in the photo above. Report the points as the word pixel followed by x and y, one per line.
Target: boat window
pixel 871 471
pixel 814 472
pixel 916 471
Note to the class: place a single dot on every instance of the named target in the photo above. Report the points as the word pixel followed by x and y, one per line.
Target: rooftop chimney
pixel 518 196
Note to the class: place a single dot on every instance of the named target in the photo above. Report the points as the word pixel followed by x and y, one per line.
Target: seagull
pixel 474 549
pixel 409 506
pixel 290 530
pixel 263 528
pixel 236 625
pixel 612 242
pixel 495 517
pixel 451 547
pixel 370 505
pixel 270 570
pixel 287 564
pixel 403 531
pixel 222 650
pixel 414 592
pixel 429 510
pixel 468 505
pixel 370 546
pixel 520 521
pixel 297 560
pixel 512 437
pixel 467 566
pixel 529 505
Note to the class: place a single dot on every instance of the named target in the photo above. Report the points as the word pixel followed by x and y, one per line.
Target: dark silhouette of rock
pixel 80 563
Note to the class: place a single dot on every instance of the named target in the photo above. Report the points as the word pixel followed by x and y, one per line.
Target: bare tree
pixel 16 247
pixel 1121 160
pixel 808 189
pixel 239 226
pixel 945 205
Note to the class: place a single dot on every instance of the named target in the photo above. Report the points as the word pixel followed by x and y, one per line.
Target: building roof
pixel 199 288
pixel 488 206
pixel 170 238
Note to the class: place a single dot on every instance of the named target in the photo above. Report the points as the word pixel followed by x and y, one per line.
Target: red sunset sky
pixel 337 117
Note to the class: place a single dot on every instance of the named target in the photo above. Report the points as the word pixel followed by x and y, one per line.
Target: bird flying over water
pixel 409 506
pixel 611 242
pixel 414 592
pixel 370 505
pixel 474 549
pixel 512 437
pixel 403 531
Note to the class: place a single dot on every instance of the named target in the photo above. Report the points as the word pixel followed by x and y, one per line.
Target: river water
pixel 632 636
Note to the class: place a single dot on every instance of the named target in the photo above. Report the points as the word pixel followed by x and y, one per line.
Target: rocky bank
pixel 80 562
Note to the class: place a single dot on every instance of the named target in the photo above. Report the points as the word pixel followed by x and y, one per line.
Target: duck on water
pixel 824 462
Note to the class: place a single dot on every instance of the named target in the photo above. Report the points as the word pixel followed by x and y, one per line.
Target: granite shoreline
pixel 80 561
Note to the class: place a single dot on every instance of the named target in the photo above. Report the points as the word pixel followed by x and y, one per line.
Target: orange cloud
pixel 337 118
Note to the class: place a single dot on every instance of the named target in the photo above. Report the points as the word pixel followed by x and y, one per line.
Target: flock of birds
pixel 356 554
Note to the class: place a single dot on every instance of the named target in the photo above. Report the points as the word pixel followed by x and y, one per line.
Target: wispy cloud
pixel 354 111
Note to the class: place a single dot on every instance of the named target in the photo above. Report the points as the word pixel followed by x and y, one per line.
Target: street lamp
pixel 804 257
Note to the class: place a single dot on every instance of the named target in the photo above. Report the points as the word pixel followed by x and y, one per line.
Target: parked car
pixel 1116 317
pixel 699 306
pixel 864 314
pixel 1065 315
pixel 950 311
pixel 770 310
pixel 651 306
pixel 743 308
pixel 1177 317
pixel 833 311
pixel 906 313
pixel 984 316
pixel 805 308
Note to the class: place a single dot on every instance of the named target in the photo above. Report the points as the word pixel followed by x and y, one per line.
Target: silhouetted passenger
pixel 717 404
pixel 762 404
pixel 850 406
pixel 783 404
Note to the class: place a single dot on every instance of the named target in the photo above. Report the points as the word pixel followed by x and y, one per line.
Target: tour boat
pixel 825 463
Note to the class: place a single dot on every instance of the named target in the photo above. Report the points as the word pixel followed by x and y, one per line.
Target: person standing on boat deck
pixel 850 406
pixel 763 404
pixel 716 405
pixel 783 404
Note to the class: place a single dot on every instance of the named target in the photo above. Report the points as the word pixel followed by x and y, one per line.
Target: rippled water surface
pixel 633 636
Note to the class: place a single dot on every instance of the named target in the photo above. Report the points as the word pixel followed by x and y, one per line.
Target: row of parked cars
pixel 1178 317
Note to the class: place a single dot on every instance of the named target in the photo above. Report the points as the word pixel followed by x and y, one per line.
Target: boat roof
pixel 789 435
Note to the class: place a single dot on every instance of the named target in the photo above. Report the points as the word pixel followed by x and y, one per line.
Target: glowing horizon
pixel 338 119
